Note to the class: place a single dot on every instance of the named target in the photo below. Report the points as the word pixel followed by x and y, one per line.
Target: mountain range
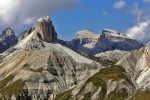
pixel 39 66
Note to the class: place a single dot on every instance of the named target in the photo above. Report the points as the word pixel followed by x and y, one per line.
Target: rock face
pixel 7 39
pixel 25 34
pixel 40 70
pixel 138 65
pixel 45 30
pixel 90 43
pixel 128 79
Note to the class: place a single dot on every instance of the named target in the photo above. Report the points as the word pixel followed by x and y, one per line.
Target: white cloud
pixel 104 13
pixel 137 12
pixel 140 32
pixel 147 0
pixel 19 12
pixel 119 5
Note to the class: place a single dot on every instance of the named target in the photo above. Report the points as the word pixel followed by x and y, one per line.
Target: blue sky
pixel 87 15
pixel 69 16
pixel 100 14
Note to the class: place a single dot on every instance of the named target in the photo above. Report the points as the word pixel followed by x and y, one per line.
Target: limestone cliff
pixel 45 30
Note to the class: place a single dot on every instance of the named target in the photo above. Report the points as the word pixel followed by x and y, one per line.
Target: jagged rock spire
pixel 45 29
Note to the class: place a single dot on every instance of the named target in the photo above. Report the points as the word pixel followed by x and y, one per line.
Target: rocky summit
pixel 90 43
pixel 45 30
pixel 7 39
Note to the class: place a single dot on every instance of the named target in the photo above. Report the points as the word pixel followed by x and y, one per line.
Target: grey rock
pixel 114 55
pixel 25 34
pixel 93 44
pixel 7 39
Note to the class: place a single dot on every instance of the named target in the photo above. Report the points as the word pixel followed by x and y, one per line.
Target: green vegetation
pixel 64 96
pixel 14 88
pixel 11 50
pixel 1 57
pixel 121 95
pixel 7 89
pixel 87 96
pixel 141 95
pixel 5 81
pixel 115 73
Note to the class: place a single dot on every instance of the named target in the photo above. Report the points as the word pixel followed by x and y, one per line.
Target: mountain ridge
pixel 41 66
pixel 92 44
pixel 37 66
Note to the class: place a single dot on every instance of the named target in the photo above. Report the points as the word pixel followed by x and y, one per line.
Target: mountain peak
pixel 8 32
pixel 45 29
pixel 7 39
pixel 86 34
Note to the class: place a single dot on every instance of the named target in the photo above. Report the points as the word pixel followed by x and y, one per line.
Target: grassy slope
pixel 7 89
pixel 141 95
pixel 64 96
pixel 99 80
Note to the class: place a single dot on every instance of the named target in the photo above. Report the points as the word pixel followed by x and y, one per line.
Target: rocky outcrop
pixel 24 34
pixel 90 43
pixel 137 64
pixel 7 39
pixel 113 56
pixel 45 29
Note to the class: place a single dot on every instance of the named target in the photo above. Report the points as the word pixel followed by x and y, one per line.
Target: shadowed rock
pixel 7 39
